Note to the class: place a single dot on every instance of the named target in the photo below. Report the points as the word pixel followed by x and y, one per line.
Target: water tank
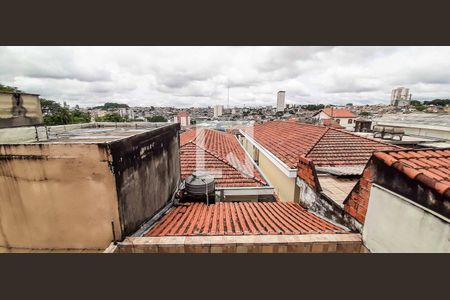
pixel 199 184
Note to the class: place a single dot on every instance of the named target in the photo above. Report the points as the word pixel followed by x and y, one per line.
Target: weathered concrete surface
pixel 398 182
pixel 17 109
pixel 394 224
pixel 308 243
pixel 320 204
pixel 67 195
pixel 147 172
pixel 56 197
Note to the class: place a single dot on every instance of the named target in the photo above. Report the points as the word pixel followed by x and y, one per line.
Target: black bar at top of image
pixel 200 22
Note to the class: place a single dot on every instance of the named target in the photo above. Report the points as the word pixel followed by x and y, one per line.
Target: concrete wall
pixel 19 110
pixel 308 243
pixel 283 185
pixel 147 171
pixel 394 224
pixel 440 132
pixel 315 201
pixel 66 196
pixel 56 196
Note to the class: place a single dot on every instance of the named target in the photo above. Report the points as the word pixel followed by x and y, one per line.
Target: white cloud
pixel 187 76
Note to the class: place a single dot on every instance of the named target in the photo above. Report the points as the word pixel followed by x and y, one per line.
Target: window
pixel 350 121
pixel 338 121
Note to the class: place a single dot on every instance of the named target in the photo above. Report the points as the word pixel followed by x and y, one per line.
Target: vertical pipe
pixel 114 233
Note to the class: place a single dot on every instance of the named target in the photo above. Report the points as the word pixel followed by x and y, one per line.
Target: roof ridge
pixel 229 164
pixel 318 140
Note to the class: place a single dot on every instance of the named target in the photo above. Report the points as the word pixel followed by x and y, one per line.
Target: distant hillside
pixel 111 105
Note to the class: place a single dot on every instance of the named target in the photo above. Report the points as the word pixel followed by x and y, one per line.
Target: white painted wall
pixel 396 224
pixel 342 122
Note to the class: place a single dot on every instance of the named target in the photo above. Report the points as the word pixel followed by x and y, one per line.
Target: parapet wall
pixel 308 243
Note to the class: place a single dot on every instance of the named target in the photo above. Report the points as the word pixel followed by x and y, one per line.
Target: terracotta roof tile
pixel 430 167
pixel 219 154
pixel 338 113
pixel 243 218
pixel 324 146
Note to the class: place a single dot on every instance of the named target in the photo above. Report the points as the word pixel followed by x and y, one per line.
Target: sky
pixel 200 76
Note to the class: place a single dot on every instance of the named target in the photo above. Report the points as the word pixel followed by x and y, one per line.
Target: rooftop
pixel 220 155
pixel 323 145
pixel 75 133
pixel 337 189
pixel 428 166
pixel 243 218
pixel 439 121
pixel 338 113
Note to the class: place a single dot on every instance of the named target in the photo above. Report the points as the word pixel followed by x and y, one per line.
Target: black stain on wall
pixel 394 180
pixel 147 172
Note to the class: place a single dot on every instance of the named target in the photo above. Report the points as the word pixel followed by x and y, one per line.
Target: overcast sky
pixel 199 76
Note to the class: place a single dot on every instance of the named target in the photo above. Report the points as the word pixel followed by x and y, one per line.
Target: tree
pixel 415 102
pixel 420 107
pixel 112 117
pixel 365 114
pixel 9 89
pixel 79 116
pixel 111 105
pixel 156 119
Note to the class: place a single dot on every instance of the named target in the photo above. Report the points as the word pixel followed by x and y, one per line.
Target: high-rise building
pixel 400 97
pixel 218 111
pixel 280 100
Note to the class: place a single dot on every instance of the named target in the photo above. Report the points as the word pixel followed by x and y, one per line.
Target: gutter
pixel 291 173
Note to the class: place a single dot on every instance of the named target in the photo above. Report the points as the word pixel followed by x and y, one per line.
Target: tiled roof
pixel 338 113
pixel 324 146
pixel 219 154
pixel 183 114
pixel 429 166
pixel 339 148
pixel 332 123
pixel 241 218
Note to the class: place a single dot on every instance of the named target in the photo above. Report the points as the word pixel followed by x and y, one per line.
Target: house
pixel 79 187
pixel 220 155
pixel 242 227
pixel 277 146
pixel 342 116
pixel 403 201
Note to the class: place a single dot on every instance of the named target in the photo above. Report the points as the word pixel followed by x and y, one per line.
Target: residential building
pixel 400 97
pixel 218 111
pixel 219 154
pixel 282 149
pixel 281 100
pixel 183 118
pixel 403 200
pixel 342 116
pixel 78 187
pixel 126 113
pixel 418 124
pixel 20 109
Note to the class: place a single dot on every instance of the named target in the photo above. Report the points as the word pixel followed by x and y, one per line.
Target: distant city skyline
pixel 200 76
